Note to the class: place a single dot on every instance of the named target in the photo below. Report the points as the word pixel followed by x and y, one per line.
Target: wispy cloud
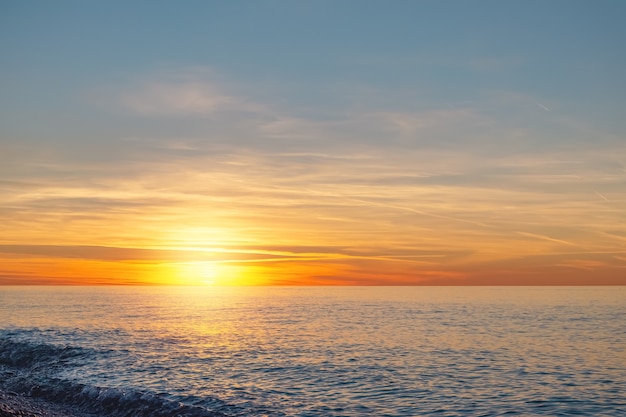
pixel 415 122
pixel 186 93
pixel 360 195
pixel 548 238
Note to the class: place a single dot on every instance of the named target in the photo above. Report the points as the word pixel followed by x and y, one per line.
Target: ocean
pixel 318 351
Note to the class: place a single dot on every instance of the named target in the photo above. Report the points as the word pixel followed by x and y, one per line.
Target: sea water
pixel 318 351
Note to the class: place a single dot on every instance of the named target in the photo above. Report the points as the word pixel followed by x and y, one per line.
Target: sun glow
pixel 210 274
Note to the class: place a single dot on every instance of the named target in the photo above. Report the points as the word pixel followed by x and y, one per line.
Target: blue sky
pixel 449 51
pixel 492 121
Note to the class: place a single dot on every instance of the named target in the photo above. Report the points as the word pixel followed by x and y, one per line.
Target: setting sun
pixel 209 273
pixel 312 208
pixel 380 163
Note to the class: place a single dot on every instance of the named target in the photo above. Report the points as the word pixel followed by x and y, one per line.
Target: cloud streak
pixel 191 98
pixel 371 195
pixel 548 238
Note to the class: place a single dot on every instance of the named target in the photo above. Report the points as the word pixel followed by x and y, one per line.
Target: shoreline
pixel 13 404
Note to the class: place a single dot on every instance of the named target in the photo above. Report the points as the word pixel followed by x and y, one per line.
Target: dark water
pixel 365 351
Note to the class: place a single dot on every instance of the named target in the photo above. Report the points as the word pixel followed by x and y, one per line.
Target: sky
pixel 349 142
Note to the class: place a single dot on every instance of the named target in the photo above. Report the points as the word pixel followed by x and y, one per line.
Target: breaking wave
pixel 30 369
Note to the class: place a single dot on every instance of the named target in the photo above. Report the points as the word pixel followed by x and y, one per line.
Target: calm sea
pixel 311 351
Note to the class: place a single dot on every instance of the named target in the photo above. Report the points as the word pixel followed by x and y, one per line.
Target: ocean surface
pixel 318 351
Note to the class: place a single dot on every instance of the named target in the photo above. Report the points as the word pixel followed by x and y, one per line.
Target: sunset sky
pixel 313 142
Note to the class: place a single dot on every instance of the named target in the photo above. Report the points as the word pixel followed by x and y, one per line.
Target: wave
pixel 29 369
pixel 30 355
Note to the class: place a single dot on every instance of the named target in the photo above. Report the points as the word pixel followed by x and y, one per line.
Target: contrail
pixel 551 239
pixel 601 196
pixel 542 106
pixel 424 213
pixel 393 206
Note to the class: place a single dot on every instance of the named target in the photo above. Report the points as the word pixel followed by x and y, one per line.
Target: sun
pixel 199 273
pixel 209 273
